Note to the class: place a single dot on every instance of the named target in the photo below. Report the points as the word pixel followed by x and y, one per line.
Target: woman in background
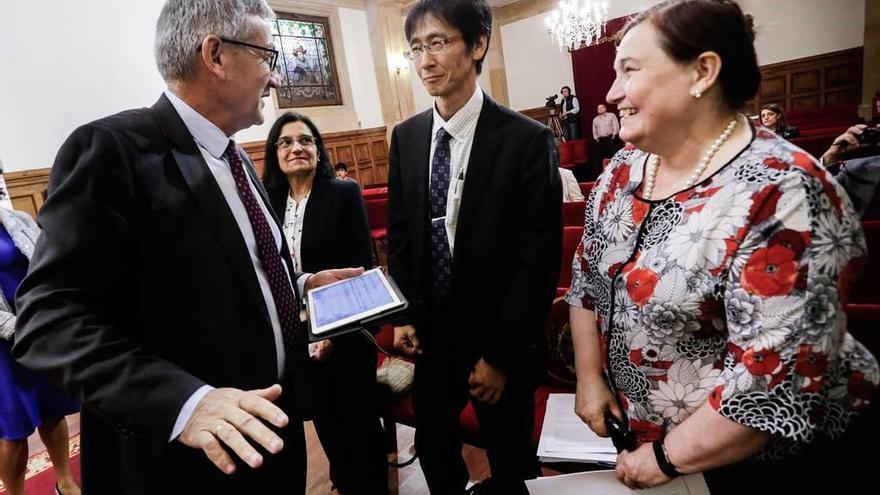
pixel 325 224
pixel 773 118
pixel 27 402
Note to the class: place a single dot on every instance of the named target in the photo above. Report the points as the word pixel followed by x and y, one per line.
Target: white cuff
pixel 301 283
pixel 187 410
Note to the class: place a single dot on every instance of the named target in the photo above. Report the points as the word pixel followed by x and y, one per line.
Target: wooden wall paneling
pixel 380 159
pixel 773 87
pixel 27 189
pixel 806 81
pixel 256 150
pixel 541 114
pixel 827 80
pixel 841 75
pixel 842 97
pixel 365 151
pixel 363 162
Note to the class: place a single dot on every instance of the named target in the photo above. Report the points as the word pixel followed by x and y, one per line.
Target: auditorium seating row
pixel 819 127
pixel 572 153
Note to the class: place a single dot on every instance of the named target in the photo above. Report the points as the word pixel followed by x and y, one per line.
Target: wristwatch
pixel 663 461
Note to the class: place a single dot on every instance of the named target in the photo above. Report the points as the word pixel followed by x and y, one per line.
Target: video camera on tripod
pixel 551 104
pixel 553 120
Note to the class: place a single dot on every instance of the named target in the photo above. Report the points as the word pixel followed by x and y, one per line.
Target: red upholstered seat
pixel 573 213
pixel 377 216
pixel 586 187
pixel 863 306
pixel 375 193
pixel 579 152
pixel 571 237
pixel 566 154
pixel 865 288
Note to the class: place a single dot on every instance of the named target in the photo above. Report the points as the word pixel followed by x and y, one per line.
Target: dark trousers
pixel 571 128
pixel 849 465
pixel 440 394
pixel 604 148
pixel 347 420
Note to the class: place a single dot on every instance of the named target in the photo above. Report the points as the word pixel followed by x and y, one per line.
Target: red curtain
pixel 593 70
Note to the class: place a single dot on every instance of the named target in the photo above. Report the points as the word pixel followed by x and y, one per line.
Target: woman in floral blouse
pixel 705 303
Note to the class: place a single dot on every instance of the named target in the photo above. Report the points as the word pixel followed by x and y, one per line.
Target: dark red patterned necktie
pixel 286 303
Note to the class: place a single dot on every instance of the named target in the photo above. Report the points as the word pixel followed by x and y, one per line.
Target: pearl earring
pixel 698 95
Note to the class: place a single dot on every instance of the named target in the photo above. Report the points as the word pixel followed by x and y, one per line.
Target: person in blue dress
pixel 27 402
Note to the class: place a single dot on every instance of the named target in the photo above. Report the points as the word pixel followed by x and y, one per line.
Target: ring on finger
pixel 218 428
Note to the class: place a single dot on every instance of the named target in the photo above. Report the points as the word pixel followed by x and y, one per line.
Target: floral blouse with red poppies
pixel 727 292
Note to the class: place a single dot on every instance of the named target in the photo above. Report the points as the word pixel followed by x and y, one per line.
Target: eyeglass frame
pixel 272 64
pixel 425 48
pixel 281 146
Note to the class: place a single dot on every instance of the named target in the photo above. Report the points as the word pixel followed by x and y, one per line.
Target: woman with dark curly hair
pixel 706 292
pixel 325 225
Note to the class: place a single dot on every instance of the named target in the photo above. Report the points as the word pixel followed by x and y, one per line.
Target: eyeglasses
pixel 304 141
pixel 433 47
pixel 270 56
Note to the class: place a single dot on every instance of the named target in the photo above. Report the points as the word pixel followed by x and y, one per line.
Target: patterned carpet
pixel 39 479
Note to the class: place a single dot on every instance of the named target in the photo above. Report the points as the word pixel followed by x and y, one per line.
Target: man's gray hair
pixel 183 24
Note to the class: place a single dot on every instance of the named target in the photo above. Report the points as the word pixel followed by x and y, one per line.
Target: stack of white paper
pixel 565 438
pixel 606 483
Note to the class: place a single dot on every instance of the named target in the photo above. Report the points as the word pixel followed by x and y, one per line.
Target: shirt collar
pixel 463 120
pixel 206 134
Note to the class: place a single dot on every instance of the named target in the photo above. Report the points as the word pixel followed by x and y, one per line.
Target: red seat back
pixel 865 288
pixel 375 193
pixel 586 187
pixel 573 213
pixel 579 149
pixel 377 213
pixel 566 154
pixel 571 237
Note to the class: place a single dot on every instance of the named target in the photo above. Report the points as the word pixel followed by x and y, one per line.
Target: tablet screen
pixel 350 300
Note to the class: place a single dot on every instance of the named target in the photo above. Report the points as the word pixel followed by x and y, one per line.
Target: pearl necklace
pixel 654 164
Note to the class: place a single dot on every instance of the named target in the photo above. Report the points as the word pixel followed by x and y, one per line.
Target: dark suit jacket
pixel 507 242
pixel 335 235
pixel 335 230
pixel 141 290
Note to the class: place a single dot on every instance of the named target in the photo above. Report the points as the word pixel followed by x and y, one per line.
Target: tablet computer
pixel 351 304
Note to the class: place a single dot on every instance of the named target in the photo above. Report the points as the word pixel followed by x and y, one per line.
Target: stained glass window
pixel 305 62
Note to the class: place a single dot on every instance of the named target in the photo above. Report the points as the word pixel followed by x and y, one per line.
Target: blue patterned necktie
pixel 441 258
pixel 293 334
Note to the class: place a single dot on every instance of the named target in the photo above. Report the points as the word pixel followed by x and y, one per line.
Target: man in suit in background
pixel 474 244
pixel 158 295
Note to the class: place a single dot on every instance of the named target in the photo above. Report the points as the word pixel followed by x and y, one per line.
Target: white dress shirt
pixel 292 224
pixel 605 125
pixel 461 128
pixel 212 143
pixel 571 191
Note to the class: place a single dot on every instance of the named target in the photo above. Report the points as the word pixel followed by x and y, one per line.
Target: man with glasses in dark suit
pixel 475 227
pixel 158 295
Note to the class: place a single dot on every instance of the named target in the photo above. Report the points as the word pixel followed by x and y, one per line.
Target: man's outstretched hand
pixel 235 418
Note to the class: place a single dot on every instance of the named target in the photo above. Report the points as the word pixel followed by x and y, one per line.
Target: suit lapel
pixel 210 199
pixel 417 171
pixel 484 152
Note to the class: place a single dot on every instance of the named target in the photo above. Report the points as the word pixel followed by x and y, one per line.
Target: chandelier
pixel 577 23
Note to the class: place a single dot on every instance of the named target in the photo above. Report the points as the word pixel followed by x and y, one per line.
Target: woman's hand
pixel 639 469
pixel 319 351
pixel 592 399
